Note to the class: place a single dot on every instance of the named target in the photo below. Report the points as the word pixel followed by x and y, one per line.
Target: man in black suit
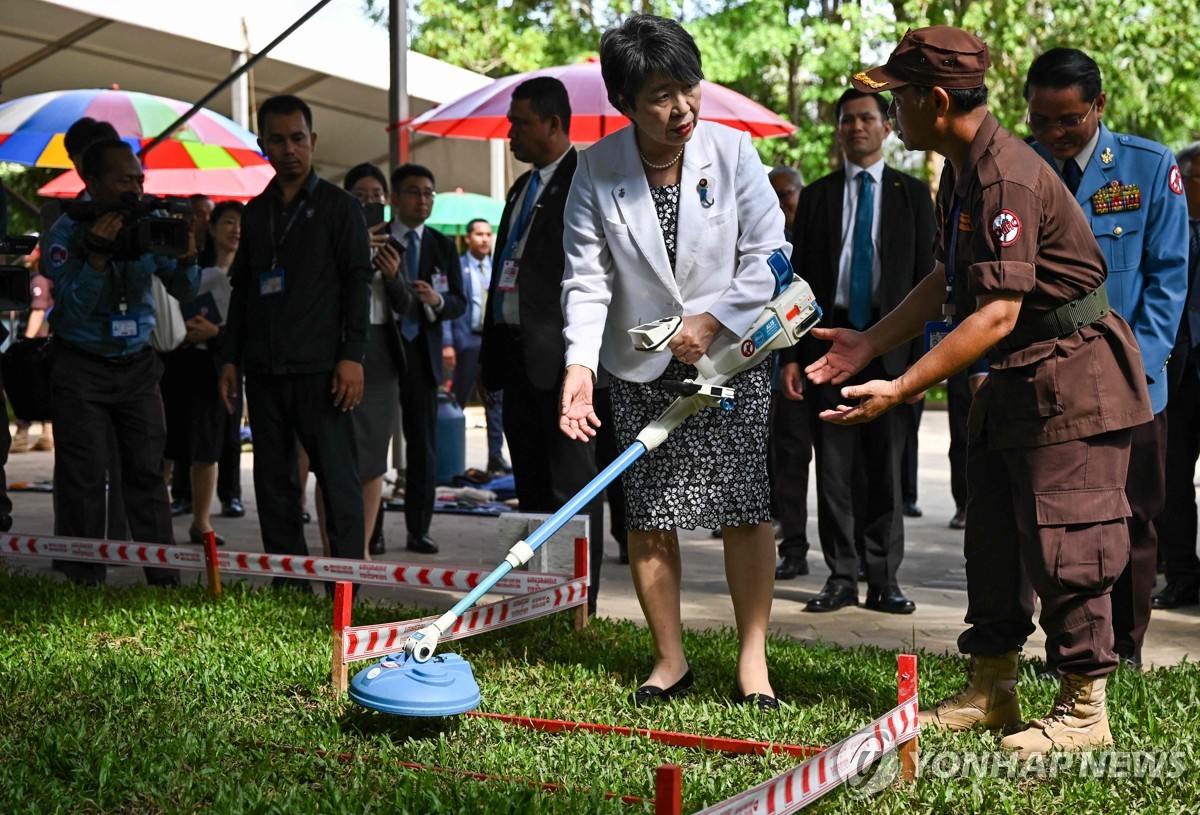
pixel 432 267
pixel 863 239
pixel 523 349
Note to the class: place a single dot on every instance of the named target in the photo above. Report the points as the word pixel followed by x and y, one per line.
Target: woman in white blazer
pixel 671 216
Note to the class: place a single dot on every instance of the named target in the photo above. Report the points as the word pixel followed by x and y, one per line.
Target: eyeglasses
pixel 1040 124
pixel 417 192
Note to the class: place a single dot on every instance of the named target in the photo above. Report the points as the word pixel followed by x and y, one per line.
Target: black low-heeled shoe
pixel 648 694
pixel 761 701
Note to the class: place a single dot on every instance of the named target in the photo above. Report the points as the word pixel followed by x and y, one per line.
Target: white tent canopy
pixel 337 62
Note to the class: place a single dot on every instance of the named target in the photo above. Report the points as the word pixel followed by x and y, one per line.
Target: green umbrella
pixel 452 211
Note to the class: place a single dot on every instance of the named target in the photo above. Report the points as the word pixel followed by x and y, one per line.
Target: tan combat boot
pixel 990 698
pixel 20 441
pixel 45 442
pixel 1078 720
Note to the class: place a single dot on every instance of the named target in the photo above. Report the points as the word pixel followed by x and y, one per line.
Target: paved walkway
pixel 932 573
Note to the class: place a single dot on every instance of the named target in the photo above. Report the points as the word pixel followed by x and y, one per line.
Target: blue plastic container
pixel 451 440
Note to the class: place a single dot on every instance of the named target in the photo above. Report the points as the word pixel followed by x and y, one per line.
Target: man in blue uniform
pixel 1131 192
pixel 105 372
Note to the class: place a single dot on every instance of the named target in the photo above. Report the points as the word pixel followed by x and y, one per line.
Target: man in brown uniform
pixel 1049 430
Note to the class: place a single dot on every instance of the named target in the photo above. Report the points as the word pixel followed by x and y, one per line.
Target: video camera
pixel 14 280
pixel 147 226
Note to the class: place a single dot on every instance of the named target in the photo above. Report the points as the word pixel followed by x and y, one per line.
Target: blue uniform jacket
pixel 1145 247
pixel 85 300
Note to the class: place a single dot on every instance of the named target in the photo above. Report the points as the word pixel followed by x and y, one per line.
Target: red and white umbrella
pixel 482 114
pixel 238 184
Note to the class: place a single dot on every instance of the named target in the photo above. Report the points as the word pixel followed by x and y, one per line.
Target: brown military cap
pixel 936 56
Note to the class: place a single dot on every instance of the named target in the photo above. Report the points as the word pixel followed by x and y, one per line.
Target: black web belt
pixel 1066 319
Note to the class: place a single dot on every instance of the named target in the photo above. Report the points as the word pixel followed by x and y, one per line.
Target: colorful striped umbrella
pixel 483 114
pixel 32 130
pixel 236 183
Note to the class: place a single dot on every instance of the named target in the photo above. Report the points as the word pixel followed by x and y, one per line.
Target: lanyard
pixel 948 307
pixel 277 245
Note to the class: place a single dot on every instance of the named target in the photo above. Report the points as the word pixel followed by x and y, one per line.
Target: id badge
pixel 122 327
pixel 441 281
pixel 271 283
pixel 508 276
pixel 935 333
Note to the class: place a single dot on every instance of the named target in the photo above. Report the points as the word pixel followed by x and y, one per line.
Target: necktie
pixel 409 326
pixel 862 254
pixel 1072 175
pixel 516 230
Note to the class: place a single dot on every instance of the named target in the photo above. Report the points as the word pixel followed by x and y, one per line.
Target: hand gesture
pixel 387 261
pixel 693 339
pixel 791 382
pixel 199 329
pixel 228 386
pixel 427 294
pixel 876 398
pixel 848 355
pixel 577 419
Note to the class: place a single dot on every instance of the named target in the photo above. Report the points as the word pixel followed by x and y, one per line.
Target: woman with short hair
pixel 673 216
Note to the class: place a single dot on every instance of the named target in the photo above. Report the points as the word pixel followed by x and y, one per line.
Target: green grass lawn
pixel 145 701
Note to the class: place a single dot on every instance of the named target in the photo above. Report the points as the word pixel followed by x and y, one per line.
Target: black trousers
pixel 5 444
pixel 229 466
pixel 1176 524
pixel 909 459
pixel 549 469
pixel 284 409
pixel 958 405
pixel 788 456
pixel 93 399
pixel 418 417
pixel 858 489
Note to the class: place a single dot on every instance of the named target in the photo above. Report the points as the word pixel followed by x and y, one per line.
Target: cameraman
pixel 105 373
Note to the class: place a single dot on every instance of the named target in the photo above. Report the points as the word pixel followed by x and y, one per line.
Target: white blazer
pixel 617 272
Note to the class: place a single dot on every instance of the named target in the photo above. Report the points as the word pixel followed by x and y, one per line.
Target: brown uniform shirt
pixel 1021 232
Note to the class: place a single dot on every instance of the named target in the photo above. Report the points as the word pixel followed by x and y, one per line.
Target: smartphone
pixel 377 214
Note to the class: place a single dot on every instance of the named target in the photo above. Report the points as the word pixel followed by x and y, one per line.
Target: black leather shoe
pixel 379 547
pixel 1177 595
pixel 911 510
pixel 623 554
pixel 833 598
pixel 423 545
pixel 196 536
pixel 959 521
pixel 761 701
pixel 790 566
pixel 889 601
pixel 233 509
pixel 180 507
pixel 648 694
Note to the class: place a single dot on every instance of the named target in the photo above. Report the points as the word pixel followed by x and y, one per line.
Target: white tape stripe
pixel 367 641
pixel 821 773
pixel 257 563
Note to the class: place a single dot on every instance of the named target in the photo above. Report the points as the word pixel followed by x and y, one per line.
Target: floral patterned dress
pixel 712 469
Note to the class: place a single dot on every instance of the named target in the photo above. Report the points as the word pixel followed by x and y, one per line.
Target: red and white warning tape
pixel 367 641
pixel 847 759
pixel 251 563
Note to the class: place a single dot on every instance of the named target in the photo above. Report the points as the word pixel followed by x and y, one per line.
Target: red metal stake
pixel 210 563
pixel 668 790
pixel 343 597
pixel 582 561
pixel 906 683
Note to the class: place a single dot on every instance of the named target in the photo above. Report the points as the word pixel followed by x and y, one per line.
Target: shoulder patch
pixel 58 254
pixel 1176 180
pixel 1006 227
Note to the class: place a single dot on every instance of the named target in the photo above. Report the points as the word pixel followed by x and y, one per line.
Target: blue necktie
pixel 515 231
pixel 862 254
pixel 409 326
pixel 1072 175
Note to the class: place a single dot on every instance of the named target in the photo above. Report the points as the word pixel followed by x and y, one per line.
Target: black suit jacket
pixel 539 284
pixel 906 235
pixel 438 254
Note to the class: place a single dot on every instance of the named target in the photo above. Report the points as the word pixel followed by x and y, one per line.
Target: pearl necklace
pixel 660 166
